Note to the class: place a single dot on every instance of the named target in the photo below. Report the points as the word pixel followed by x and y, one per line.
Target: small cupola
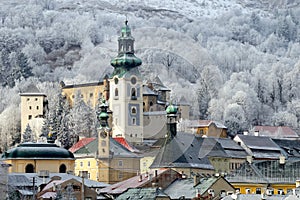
pixel 172 120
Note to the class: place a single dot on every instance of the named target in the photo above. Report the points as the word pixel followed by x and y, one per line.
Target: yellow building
pixel 89 92
pixel 208 128
pixel 269 177
pixel 35 157
pixel 120 165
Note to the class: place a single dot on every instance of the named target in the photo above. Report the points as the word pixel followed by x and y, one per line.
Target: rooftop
pixel 37 151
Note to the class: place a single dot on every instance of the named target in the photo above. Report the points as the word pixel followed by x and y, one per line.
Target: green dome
pixel 171 109
pixel 103 115
pixel 37 151
pixel 126 60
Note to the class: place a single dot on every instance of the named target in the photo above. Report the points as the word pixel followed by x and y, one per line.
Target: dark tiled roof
pixel 116 149
pixel 266 171
pixel 187 151
pixel 291 147
pixel 83 85
pixel 133 182
pixel 141 193
pixel 37 151
pixel 31 88
pixel 257 142
pixel 148 92
pixel 25 179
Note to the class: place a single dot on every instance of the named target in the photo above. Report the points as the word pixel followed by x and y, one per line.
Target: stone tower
pixel 34 106
pixel 126 95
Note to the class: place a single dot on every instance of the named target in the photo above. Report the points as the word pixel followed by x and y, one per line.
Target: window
pixel 133 93
pixel 120 175
pixel 120 163
pixel 29 168
pixel 29 117
pixel 36 99
pixel 116 92
pixel 103 143
pixel 133 110
pixel 133 121
pixel 91 95
pixel 89 163
pixel 37 107
pixel 133 80
pixel 248 191
pixel 81 164
pixel 89 175
pixel 28 99
pixel 29 107
pixel 258 191
pixel 62 168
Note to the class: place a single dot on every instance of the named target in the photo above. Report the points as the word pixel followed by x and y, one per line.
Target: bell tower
pixel 126 95
pixel 103 132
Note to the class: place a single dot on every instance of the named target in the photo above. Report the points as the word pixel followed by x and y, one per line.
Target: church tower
pixel 126 95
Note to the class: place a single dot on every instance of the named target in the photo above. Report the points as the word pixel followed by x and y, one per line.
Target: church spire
pixel 125 59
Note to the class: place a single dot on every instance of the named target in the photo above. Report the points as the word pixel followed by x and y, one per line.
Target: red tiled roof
pixel 125 144
pixel 81 143
pixel 282 131
pixel 133 182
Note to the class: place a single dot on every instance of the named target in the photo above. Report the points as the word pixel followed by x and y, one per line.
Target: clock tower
pixel 103 132
pixel 126 95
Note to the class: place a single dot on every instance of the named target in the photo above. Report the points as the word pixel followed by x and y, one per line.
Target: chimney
pixel 297 183
pixel 140 178
pixel 155 173
pixel 196 180
pixel 147 174
pixel 281 160
pixel 249 159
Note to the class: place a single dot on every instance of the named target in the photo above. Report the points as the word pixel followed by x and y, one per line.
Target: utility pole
pixel 33 182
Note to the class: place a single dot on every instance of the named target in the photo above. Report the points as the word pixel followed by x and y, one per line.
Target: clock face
pixel 103 134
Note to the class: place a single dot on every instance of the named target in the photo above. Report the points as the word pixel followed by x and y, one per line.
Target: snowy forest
pixel 235 61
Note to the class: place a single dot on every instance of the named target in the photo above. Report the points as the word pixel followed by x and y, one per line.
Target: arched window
pixel 133 110
pixel 29 168
pixel 62 168
pixel 151 103
pixel 116 92
pixel 133 93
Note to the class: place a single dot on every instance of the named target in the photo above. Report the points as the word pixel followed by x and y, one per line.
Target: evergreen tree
pixel 28 135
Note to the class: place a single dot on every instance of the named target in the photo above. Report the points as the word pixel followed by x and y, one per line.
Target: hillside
pixel 236 60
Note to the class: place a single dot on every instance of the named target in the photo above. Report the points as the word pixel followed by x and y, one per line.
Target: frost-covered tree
pixel 28 134
pixel 234 119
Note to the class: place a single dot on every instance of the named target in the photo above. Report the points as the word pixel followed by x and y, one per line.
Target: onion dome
pixel 171 109
pixel 125 59
pixel 103 116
